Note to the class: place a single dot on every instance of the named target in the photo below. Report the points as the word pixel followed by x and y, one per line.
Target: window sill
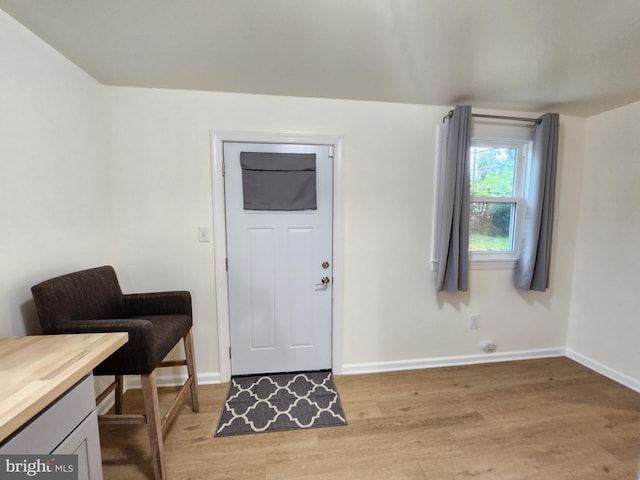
pixel 493 264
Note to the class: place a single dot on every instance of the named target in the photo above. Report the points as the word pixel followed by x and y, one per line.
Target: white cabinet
pixel 68 426
pixel 84 442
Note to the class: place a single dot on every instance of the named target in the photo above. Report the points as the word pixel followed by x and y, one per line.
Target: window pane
pixel 492 171
pixel 490 226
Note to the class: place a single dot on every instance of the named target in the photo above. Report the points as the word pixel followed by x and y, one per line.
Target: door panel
pixel 301 253
pixel 260 288
pixel 280 312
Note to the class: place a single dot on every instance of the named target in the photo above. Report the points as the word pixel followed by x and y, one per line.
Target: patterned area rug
pixel 288 401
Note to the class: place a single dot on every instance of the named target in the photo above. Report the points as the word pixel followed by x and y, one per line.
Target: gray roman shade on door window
pixel 278 181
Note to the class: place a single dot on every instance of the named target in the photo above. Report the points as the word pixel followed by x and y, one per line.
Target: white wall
pixel 604 322
pixel 391 313
pixel 54 173
pixel 94 174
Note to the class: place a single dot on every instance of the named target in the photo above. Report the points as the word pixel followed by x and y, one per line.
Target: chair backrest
pixel 85 295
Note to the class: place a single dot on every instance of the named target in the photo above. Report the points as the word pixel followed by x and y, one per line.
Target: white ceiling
pixel 576 57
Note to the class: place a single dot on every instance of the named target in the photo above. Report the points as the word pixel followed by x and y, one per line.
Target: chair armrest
pixel 139 330
pixel 157 303
pixel 134 357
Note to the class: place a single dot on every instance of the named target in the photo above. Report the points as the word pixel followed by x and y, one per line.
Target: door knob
pixel 325 265
pixel 325 281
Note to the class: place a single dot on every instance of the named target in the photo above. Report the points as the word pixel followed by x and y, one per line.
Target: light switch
pixel 204 235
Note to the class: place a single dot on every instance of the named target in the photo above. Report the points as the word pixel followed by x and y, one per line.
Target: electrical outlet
pixel 204 235
pixel 488 347
pixel 474 322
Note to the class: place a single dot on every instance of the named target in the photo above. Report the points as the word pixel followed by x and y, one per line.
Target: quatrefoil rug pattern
pixel 288 401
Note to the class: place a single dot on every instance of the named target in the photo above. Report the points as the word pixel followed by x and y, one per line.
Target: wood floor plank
pixel 538 419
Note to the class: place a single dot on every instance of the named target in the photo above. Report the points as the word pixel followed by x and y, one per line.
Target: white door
pixel 279 270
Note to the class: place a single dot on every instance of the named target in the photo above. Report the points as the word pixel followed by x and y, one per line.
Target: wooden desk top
pixel 36 370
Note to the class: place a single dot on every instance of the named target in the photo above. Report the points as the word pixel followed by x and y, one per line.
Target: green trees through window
pixel 493 184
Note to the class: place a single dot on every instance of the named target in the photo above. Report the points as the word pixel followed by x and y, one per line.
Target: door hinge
pixel 229 352
pixel 226 263
pixel 331 153
pixel 224 168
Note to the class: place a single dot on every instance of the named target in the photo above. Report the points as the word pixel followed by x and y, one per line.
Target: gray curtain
pixel 453 202
pixel 532 267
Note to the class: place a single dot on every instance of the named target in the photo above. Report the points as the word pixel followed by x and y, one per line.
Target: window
pixel 496 180
pixel 498 163
pixel 497 169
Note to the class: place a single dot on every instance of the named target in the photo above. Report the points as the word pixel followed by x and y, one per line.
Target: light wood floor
pixel 549 419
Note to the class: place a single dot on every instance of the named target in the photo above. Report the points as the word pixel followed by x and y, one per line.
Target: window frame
pixel 506 139
pixel 498 132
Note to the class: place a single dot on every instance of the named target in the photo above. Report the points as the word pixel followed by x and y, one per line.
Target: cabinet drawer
pixel 45 432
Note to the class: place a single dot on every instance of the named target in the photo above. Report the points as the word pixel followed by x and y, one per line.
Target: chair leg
pixel 119 395
pixel 154 424
pixel 191 369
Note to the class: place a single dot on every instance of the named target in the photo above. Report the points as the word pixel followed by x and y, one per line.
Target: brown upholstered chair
pixel 91 301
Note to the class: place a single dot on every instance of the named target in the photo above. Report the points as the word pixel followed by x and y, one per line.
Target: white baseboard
pixel 133 382
pixel 419 363
pixel 602 369
pixel 170 380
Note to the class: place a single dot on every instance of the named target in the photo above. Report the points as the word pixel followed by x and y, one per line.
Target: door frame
pixel 218 137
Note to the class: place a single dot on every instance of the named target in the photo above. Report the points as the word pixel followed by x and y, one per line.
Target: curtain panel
pixel 452 230
pixel 533 264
